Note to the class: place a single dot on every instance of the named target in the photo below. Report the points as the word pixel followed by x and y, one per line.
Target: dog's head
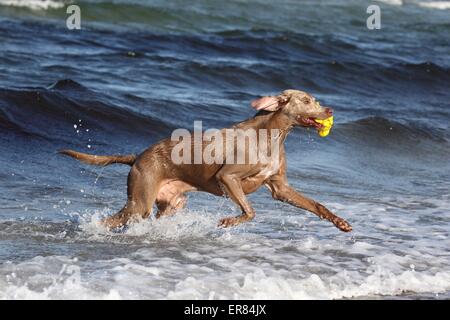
pixel 301 107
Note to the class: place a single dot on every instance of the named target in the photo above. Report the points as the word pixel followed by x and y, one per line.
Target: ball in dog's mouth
pixel 325 126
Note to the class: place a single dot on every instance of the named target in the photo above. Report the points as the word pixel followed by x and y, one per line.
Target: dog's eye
pixel 306 100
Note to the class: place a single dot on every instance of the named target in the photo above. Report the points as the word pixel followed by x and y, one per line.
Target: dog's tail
pixel 100 160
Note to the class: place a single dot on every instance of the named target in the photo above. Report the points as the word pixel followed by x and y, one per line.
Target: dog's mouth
pixel 309 122
pixel 306 121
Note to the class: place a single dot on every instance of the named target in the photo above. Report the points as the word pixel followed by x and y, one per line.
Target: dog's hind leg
pixel 142 192
pixel 167 208
pixel 171 197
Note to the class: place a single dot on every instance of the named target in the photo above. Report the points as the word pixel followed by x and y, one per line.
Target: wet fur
pixel 155 179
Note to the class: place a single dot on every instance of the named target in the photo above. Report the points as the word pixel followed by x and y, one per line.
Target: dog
pixel 155 179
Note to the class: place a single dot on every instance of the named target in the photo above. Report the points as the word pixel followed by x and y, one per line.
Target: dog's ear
pixel 270 103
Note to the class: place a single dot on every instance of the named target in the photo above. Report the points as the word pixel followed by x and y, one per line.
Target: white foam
pixel 36 279
pixel 258 285
pixel 316 276
pixel 392 2
pixel 440 5
pixel 119 278
pixel 34 4
pixel 185 224
pixel 187 257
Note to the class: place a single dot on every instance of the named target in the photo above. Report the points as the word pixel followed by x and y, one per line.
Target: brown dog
pixel 155 178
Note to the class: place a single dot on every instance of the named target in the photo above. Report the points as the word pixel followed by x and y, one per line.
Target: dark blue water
pixel 140 69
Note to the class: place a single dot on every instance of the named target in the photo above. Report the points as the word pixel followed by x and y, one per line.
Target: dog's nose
pixel 329 111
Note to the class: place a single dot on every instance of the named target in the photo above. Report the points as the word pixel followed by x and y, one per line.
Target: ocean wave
pixel 243 268
pixel 186 257
pixel 392 2
pixel 131 280
pixel 440 5
pixel 67 106
pixel 258 285
pixel 34 4
pixel 159 8
pixel 266 71
pixel 431 69
pixel 388 133
pixel 377 125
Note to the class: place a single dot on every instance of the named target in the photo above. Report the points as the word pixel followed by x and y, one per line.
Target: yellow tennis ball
pixel 326 126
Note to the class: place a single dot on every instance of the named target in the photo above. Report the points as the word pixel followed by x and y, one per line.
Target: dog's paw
pixel 112 223
pixel 229 222
pixel 343 225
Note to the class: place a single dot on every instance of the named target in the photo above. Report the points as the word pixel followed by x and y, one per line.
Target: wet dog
pixel 155 178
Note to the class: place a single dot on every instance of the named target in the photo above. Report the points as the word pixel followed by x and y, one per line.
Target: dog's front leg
pixel 231 185
pixel 283 192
